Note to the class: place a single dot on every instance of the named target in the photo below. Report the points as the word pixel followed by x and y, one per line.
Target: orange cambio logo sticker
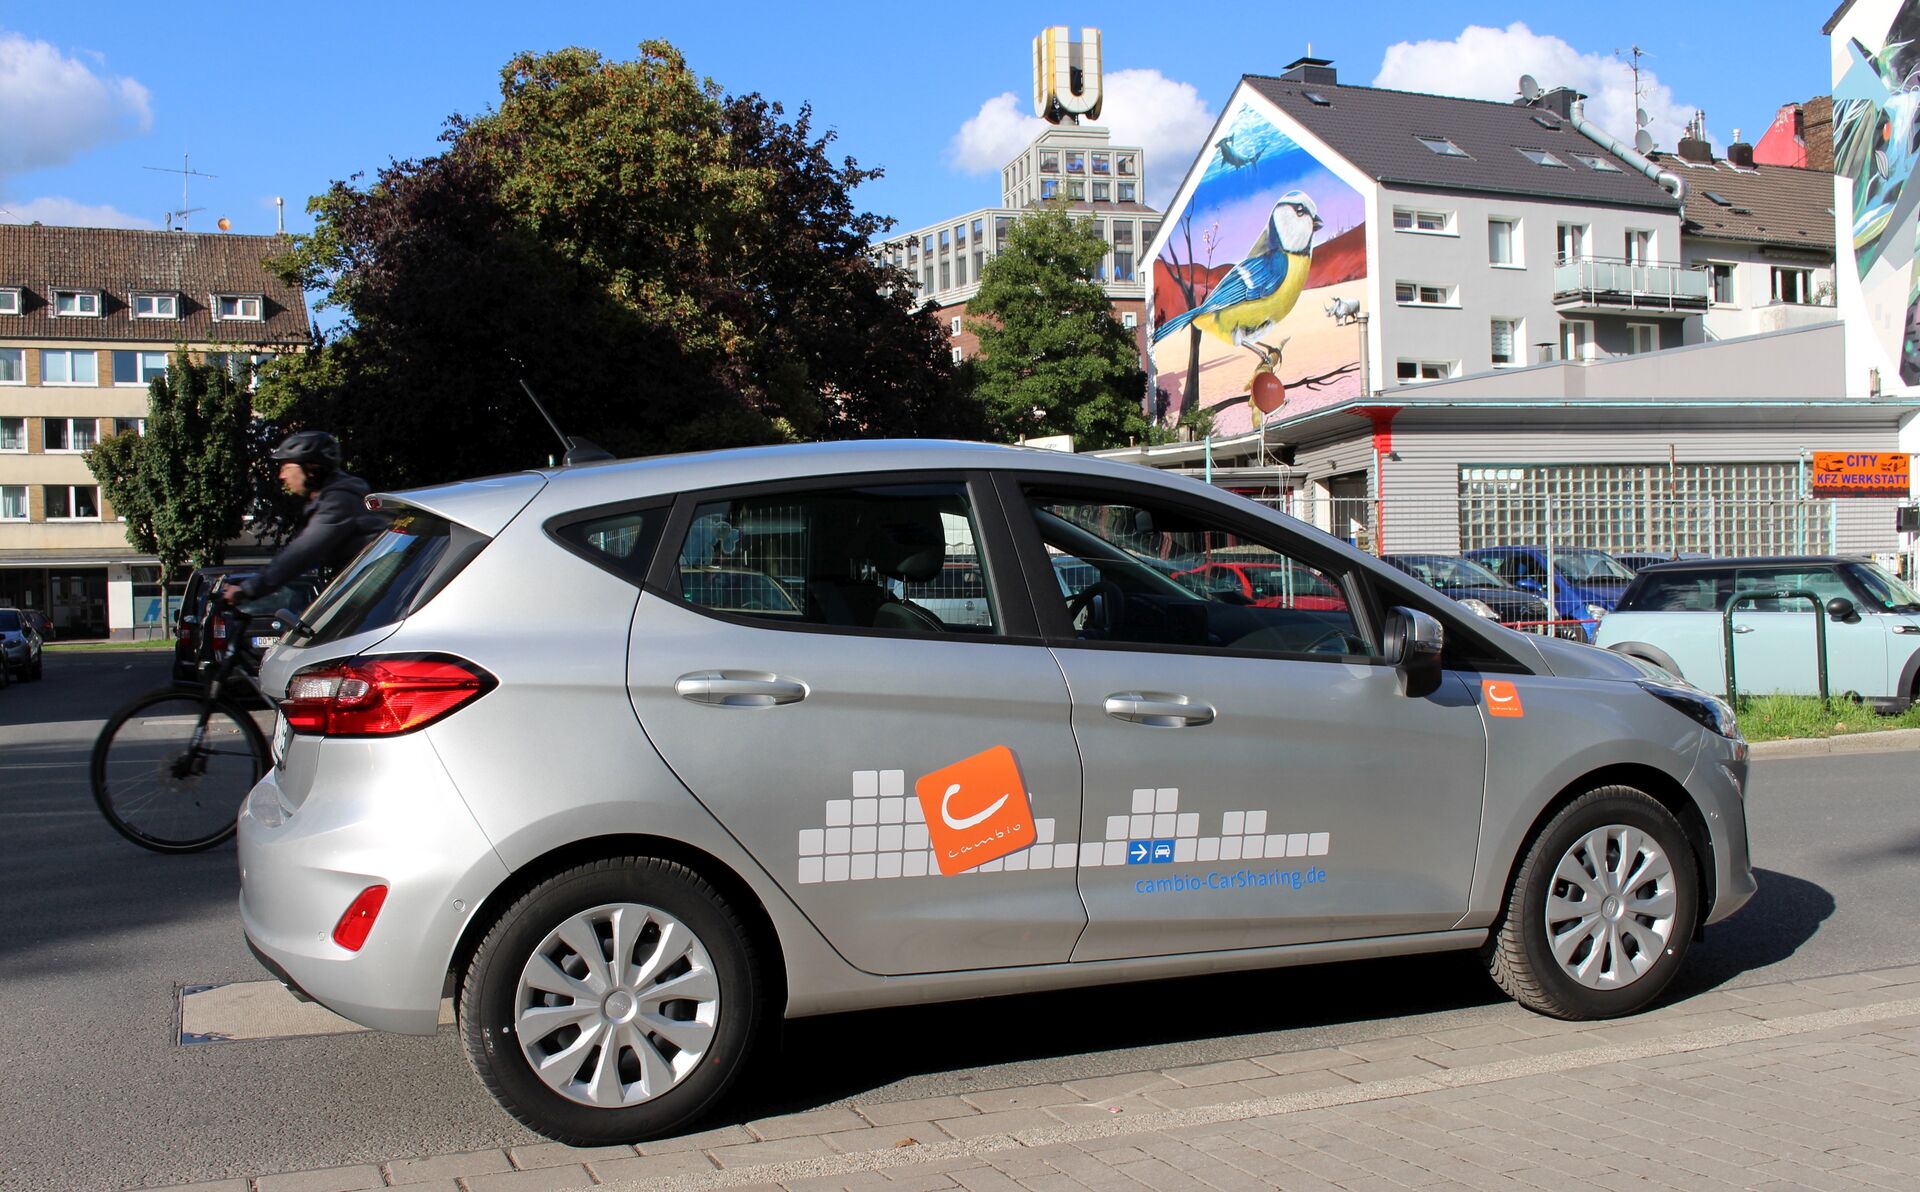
pixel 1503 698
pixel 976 810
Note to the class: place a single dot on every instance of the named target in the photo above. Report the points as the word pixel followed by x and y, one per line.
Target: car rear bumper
pixel 394 820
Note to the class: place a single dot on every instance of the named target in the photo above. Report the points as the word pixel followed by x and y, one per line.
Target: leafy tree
pixel 669 267
pixel 1053 358
pixel 186 484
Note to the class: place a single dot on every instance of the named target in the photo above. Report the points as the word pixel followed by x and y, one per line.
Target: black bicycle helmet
pixel 311 449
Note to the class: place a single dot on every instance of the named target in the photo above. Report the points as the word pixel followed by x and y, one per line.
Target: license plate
pixel 282 737
pixel 262 641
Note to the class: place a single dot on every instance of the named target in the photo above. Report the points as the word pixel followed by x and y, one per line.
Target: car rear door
pixel 913 785
pixel 1253 775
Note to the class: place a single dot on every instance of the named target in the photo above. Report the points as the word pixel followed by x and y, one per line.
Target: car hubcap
pixel 1610 911
pixel 617 1005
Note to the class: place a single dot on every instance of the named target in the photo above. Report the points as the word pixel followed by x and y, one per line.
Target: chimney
pixel 1695 149
pixel 1317 71
pixel 1740 154
pixel 1559 101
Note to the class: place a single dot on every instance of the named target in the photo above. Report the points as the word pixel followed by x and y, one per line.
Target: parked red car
pixel 1265 585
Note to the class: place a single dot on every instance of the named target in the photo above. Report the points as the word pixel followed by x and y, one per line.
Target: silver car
pixel 530 754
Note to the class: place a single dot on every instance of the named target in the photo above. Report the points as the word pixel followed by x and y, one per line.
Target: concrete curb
pixel 1891 741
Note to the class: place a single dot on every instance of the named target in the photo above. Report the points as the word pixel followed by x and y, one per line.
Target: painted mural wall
pixel 1257 286
pixel 1876 144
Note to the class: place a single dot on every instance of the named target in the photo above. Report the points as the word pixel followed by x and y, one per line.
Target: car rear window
pixel 1677 592
pixel 398 572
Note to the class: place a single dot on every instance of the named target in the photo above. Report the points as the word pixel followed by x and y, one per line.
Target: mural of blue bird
pixel 1261 290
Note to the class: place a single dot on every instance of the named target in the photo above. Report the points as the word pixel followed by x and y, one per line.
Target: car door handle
pixel 738 689
pixel 1158 710
pixel 1743 629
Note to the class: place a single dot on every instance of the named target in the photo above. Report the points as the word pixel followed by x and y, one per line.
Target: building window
pixel 1050 162
pixel 1594 162
pixel 1100 164
pixel 13 434
pixel 138 368
pixel 956 324
pixel 13 366
pixel 83 304
pixel 156 306
pixel 1102 191
pixel 959 355
pixel 1576 339
pixel 979 230
pixel 946 240
pixel 1643 337
pixel 9 302
pixel 1123 233
pixel 1049 187
pixel 123 426
pixel 1439 223
pixel 1126 192
pixel 1722 274
pixel 13 502
pixel 73 502
pixel 1076 162
pixel 960 235
pixel 1123 164
pixel 1413 293
pixel 1426 370
pixel 946 275
pixel 1639 246
pixel 69 434
pixel 1508 336
pixel 1122 264
pixel 1129 320
pixel 243 307
pixel 1792 285
pixel 960 269
pixel 1441 146
pixel 1076 190
pixel 1540 157
pixel 1002 228
pixel 1503 242
pixel 979 263
pixel 65 367
pixel 1570 242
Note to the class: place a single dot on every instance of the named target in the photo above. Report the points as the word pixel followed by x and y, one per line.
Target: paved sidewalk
pixel 1804 1084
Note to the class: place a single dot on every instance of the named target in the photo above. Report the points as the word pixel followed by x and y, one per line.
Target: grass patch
pixel 1783 717
pixel 162 643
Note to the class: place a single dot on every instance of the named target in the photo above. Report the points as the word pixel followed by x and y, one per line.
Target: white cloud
pixel 57 107
pixel 1166 119
pixel 67 213
pixel 1486 63
pixel 991 139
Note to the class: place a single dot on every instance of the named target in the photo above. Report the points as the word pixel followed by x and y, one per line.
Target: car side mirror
pixel 1414 642
pixel 1841 609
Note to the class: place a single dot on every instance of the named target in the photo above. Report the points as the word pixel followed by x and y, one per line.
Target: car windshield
pixel 1447 571
pixel 1892 595
pixel 1589 564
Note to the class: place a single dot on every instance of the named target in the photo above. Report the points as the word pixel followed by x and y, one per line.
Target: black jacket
pixel 333 528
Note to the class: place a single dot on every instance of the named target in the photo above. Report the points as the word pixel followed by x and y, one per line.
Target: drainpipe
pixel 1674 184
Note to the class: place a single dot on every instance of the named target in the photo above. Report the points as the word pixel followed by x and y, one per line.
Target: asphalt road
pixel 99 936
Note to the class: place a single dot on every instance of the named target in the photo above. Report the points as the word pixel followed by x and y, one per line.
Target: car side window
pixel 1153 575
pixel 1763 582
pixel 1679 592
pixel 901 558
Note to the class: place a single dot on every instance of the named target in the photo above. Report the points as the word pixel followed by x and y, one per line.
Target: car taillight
pixel 351 931
pixel 219 635
pixel 380 696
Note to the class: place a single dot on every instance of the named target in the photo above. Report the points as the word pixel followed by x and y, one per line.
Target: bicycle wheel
pixel 168 785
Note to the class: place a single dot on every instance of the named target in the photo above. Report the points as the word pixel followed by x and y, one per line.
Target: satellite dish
pixel 1643 141
pixel 226 225
pixel 1640 117
pixel 1529 88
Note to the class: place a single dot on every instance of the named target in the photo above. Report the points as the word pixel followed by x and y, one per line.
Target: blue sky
pixel 282 99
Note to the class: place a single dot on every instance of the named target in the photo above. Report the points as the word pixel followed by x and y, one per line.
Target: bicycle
pixel 171 768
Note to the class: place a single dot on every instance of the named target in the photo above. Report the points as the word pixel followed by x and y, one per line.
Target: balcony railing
pixel 1601 284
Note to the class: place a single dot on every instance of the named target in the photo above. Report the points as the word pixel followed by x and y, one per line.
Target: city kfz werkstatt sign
pixel 1861 474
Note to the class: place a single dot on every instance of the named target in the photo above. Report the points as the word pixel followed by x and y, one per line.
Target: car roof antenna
pixel 576 450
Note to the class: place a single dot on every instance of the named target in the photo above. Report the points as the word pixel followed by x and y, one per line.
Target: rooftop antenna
pixel 1640 118
pixel 187 175
pixel 576 450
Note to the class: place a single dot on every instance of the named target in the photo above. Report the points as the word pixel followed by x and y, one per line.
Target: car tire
pixel 532 996
pixel 1601 911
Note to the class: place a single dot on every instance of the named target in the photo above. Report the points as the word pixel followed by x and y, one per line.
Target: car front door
pixel 1773 634
pixel 913 785
pixel 1253 775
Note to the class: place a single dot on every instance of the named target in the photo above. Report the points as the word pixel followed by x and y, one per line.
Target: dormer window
pixel 156 306
pixel 236 307
pixel 80 304
pixel 9 300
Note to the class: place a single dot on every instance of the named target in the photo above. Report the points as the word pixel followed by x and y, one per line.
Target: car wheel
pixel 1602 910
pixel 613 1002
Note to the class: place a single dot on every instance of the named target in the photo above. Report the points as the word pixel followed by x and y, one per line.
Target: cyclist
pixel 335 524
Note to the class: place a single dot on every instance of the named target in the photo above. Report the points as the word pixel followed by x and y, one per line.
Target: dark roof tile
pixel 1777 205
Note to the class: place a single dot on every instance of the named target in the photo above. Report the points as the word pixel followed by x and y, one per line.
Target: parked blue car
pixel 1586 584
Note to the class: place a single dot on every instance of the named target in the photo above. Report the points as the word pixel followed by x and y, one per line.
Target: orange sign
pixel 1861 474
pixel 976 810
pixel 1503 698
